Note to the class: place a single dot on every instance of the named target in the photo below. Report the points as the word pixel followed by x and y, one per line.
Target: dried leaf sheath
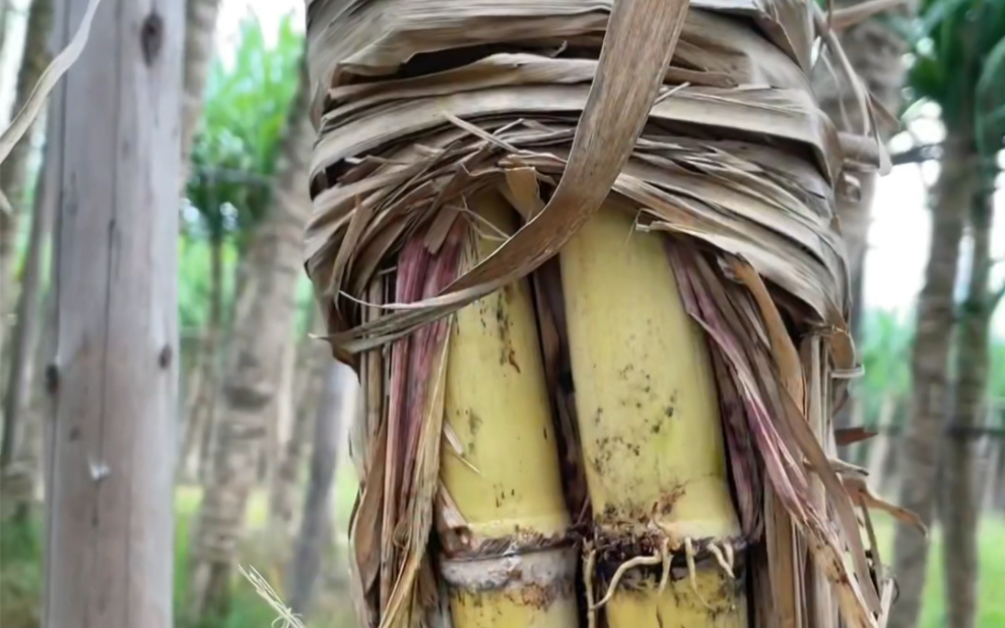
pixel 401 486
pixel 708 298
pixel 424 107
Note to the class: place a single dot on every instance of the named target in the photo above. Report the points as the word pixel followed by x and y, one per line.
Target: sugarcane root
pixel 590 563
pixel 724 557
pixel 638 561
pixel 721 559
pixel 692 572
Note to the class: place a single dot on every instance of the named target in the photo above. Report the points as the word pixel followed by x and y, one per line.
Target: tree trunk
pixel 225 335
pixel 992 476
pixel 280 417
pixel 29 319
pixel 919 456
pixel 890 476
pixel 14 174
pixel 999 497
pixel 316 520
pixel 200 411
pixel 200 26
pixel 959 470
pixel 110 519
pixel 4 12
pixel 263 327
pixel 857 453
pixel 188 452
pixel 30 454
pixel 283 491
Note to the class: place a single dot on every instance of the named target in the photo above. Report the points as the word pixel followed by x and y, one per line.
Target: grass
pixel 991 564
pixel 20 574
pixel 20 570
pixel 248 610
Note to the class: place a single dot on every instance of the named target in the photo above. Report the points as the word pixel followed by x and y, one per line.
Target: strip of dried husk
pixel 421 105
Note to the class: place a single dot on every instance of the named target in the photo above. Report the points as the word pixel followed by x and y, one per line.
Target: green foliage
pixel 886 357
pixel 235 151
pixel 233 160
pixel 194 280
pixel 991 565
pixel 247 609
pixel 20 573
pixel 997 378
pixel 959 63
pixel 886 351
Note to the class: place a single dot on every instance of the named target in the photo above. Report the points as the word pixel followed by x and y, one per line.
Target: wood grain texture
pixel 114 378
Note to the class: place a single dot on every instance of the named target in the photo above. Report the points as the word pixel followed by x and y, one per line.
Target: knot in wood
pixel 152 36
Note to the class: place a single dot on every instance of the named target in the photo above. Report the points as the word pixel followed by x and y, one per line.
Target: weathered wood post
pixel 114 377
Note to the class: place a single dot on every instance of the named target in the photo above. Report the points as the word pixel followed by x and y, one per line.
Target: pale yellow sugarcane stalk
pixel 510 565
pixel 650 429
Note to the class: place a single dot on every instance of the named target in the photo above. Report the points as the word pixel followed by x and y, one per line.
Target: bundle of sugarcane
pixel 584 260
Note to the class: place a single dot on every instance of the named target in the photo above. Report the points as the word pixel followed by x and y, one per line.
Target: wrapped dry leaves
pixel 482 154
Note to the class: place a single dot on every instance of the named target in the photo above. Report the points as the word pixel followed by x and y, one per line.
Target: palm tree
pixel 315 527
pixel 233 158
pixel 309 366
pixel 607 343
pixel 961 491
pixel 263 328
pixel 200 26
pixel 959 64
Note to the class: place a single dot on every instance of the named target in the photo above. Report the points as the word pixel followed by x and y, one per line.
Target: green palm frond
pixel 241 128
pixel 959 63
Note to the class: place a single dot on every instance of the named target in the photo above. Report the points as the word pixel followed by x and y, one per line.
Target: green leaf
pixel 993 72
pixel 935 13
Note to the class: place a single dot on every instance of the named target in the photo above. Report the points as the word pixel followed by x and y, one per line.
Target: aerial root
pixel 638 561
pixel 715 551
pixel 667 558
pixel 724 556
pixel 692 572
pixel 591 560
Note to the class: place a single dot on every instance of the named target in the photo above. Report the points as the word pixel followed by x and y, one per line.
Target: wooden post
pixel 114 377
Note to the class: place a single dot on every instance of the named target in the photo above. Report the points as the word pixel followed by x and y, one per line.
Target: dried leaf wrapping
pixel 713 136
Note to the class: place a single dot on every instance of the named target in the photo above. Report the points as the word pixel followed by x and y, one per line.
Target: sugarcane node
pixel 614 548
pixel 615 517
pixel 523 541
pixel 535 578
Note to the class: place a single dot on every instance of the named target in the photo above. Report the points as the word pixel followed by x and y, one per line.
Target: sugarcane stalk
pixel 503 525
pixel 664 521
